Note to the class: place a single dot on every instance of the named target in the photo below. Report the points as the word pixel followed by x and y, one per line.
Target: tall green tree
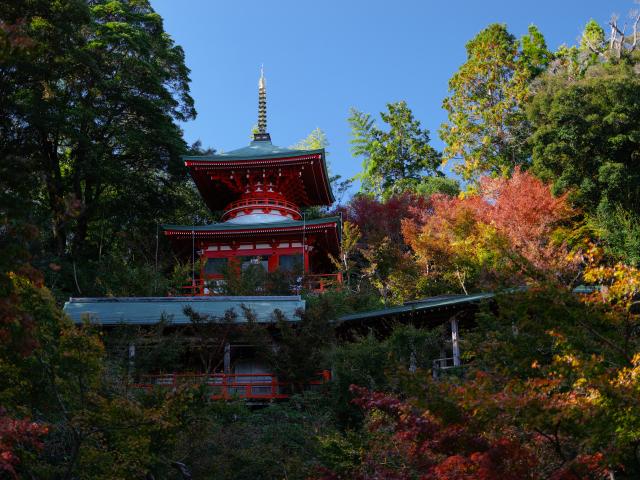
pixel 586 140
pixel 592 41
pixel 318 139
pixel 395 160
pixel 487 128
pixel 94 105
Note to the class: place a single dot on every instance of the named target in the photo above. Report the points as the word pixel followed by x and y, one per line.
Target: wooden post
pixel 132 360
pixel 227 358
pixel 454 342
pixel 413 362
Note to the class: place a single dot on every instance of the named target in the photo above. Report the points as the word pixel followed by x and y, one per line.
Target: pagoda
pixel 262 191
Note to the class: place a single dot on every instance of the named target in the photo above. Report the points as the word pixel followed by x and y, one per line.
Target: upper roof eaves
pixel 256 150
pixel 226 226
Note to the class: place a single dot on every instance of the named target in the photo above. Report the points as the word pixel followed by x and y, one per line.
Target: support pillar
pixel 305 254
pixel 227 358
pixel 131 360
pixel 454 342
pixel 413 362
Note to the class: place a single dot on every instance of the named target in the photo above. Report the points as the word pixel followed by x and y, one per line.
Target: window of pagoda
pixel 280 255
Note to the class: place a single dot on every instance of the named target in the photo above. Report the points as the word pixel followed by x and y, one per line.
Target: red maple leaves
pixel 15 435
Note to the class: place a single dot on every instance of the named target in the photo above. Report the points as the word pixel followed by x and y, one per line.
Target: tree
pixel 315 140
pixel 408 441
pixel 348 247
pixel 377 219
pixel 432 185
pixel 381 260
pixel 585 137
pixel 17 435
pixel 619 43
pixel 487 127
pixel 299 352
pixel 94 105
pixel 508 233
pixel 592 41
pixel 318 139
pixel 559 364
pixel 395 160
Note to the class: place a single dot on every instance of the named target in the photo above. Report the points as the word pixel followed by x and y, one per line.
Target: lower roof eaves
pixel 111 311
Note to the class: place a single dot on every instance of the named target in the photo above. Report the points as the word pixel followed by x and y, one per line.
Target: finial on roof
pixel 262 134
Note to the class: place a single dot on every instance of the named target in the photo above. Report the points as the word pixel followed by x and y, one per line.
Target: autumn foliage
pixel 379 219
pixel 407 441
pixel 508 233
pixel 17 434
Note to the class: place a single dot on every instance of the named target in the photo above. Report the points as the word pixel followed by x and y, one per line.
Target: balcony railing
pixel 446 366
pixel 319 283
pixel 266 204
pixel 315 283
pixel 220 386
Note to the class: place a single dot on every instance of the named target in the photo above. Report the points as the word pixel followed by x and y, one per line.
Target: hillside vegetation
pixel 548 146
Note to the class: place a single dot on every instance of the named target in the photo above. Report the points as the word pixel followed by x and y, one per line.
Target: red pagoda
pixel 262 190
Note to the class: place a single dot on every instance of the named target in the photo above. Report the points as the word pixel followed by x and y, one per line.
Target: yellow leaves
pixel 628 378
pixel 568 360
pixel 619 283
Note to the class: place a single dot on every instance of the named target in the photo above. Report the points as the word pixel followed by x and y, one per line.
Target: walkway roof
pixel 149 310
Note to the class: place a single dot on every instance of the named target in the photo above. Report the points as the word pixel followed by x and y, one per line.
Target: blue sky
pixel 323 57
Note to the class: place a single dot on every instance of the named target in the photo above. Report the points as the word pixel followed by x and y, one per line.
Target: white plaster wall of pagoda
pixel 261 217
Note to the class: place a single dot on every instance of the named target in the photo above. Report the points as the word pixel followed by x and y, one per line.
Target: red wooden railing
pixel 253 386
pixel 317 283
pixel 320 282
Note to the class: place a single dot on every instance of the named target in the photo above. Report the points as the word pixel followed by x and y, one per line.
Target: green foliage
pixel 381 365
pixel 487 128
pixel 532 328
pixel 585 136
pixel 316 140
pixel 620 233
pixel 279 441
pixel 592 41
pixel 348 247
pixel 432 185
pixel 345 301
pixel 362 363
pixel 254 280
pixel 391 270
pixel 299 352
pixel 92 105
pixel 534 54
pixel 395 160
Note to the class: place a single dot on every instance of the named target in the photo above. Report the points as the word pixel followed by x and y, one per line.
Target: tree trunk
pixel 55 191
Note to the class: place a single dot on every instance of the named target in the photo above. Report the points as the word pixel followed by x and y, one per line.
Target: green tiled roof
pixel 420 305
pixel 441 301
pixel 256 150
pixel 226 226
pixel 149 310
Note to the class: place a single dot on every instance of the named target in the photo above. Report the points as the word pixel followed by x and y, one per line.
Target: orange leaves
pixel 504 234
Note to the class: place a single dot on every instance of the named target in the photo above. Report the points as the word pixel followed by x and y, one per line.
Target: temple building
pixel 262 191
